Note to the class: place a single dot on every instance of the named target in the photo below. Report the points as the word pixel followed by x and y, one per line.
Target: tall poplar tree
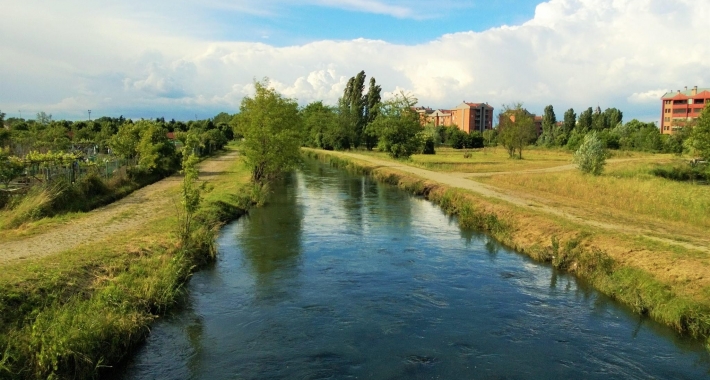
pixel 549 124
pixel 372 109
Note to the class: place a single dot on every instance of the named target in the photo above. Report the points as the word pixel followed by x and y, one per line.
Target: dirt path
pixel 461 180
pixel 129 213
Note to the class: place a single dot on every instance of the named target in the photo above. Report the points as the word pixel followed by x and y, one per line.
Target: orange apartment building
pixel 679 107
pixel 468 117
pixel 471 117
pixel 440 118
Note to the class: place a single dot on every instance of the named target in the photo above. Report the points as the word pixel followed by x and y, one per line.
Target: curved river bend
pixel 342 277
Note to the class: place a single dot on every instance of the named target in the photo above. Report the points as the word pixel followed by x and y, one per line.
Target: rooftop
pixel 685 93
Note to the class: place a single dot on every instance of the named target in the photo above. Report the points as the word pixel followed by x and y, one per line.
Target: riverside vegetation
pixel 76 313
pixel 73 314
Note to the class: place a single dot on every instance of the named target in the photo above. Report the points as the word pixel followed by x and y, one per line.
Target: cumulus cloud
pixel 572 53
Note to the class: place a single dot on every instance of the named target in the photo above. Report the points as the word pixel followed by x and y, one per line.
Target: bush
pixel 683 173
pixel 591 156
pixel 429 145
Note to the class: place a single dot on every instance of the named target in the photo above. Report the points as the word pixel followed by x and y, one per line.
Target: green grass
pixel 70 315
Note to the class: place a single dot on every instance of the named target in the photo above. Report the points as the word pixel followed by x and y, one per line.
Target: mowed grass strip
pixel 485 160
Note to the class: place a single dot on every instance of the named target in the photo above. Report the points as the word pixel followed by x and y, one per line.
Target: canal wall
pixel 589 253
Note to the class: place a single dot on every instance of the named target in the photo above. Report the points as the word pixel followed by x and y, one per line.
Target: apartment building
pixel 440 118
pixel 677 108
pixel 471 117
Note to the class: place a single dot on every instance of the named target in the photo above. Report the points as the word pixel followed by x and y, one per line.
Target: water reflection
pixel 342 277
pixel 278 225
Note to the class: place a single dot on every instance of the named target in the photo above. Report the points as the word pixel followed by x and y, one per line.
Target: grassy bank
pixel 648 276
pixel 75 314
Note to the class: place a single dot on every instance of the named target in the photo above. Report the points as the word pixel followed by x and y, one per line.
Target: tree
pixel 190 192
pixel 43 118
pixel 490 137
pixel 699 140
pixel 271 126
pixel 516 129
pixel 397 127
pixel 352 107
pixel 320 126
pixel 549 125
pixel 374 100
pixel 10 167
pixel 125 142
pixel 155 152
pixel 591 156
pixel 585 121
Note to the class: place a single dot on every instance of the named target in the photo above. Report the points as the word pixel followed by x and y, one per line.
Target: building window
pixel 667 119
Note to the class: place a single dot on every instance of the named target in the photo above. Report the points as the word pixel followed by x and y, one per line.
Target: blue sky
pixel 200 57
pixel 290 24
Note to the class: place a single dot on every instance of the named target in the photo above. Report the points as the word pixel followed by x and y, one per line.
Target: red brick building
pixel 471 117
pixel 677 108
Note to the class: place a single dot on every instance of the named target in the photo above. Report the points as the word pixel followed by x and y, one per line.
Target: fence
pixel 43 172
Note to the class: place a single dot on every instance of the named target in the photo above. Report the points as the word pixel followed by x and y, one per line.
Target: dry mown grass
pixel 485 160
pixel 626 191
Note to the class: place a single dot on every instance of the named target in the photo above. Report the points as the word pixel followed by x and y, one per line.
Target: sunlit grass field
pixel 492 160
pixel 624 188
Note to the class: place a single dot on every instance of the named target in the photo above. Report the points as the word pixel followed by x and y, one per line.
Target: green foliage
pixel 699 139
pixel 125 142
pixel 516 129
pixel 271 126
pixel 490 137
pixel 591 156
pixel 373 103
pixel 549 127
pixel 585 121
pixel 397 127
pixel 683 173
pixel 429 145
pixel 11 167
pixel 156 154
pixel 322 128
pixel 190 194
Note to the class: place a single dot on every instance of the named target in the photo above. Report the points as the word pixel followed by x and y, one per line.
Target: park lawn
pixel 626 192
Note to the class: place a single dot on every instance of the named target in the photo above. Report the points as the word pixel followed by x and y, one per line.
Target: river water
pixel 342 277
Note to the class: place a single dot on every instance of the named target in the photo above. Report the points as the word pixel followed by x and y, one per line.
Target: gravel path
pixel 130 213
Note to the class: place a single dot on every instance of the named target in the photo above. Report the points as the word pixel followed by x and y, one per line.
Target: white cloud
pixel 651 96
pixel 573 53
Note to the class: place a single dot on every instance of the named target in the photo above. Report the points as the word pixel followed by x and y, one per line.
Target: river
pixel 342 277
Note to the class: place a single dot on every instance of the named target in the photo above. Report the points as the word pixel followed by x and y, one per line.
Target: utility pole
pixel 20 111
pixel 89 115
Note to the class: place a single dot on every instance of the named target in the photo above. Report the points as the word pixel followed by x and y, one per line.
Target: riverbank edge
pixel 548 239
pixel 82 327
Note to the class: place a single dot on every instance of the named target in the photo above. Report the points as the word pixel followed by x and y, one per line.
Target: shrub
pixel 429 145
pixel 591 155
